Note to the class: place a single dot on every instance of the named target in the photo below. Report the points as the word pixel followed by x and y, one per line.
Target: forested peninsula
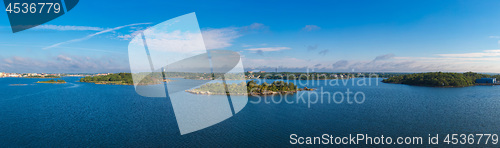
pixel 250 88
pixel 439 79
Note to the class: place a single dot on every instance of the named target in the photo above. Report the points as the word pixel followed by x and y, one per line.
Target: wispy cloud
pixel 340 64
pixel 94 34
pixel 64 63
pixel 485 53
pixel 384 57
pixel 494 37
pixel 191 42
pixel 224 37
pixel 254 27
pixel 245 45
pixel 312 47
pixel 132 33
pixel 267 49
pixel 323 52
pixel 381 63
pixel 220 38
pixel 274 62
pixel 63 58
pixel 68 28
pixel 310 28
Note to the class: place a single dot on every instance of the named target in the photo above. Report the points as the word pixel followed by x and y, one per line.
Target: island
pixel 52 81
pixel 249 88
pixel 148 78
pixel 439 79
pixel 125 79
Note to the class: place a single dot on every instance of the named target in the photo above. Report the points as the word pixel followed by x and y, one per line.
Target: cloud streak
pixel 268 49
pixel 68 28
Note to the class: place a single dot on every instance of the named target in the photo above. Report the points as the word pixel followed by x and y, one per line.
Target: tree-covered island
pixel 118 79
pixel 439 79
pixel 250 88
pixel 52 81
pixel 125 79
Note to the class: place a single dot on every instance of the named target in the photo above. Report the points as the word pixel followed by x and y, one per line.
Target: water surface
pixel 89 115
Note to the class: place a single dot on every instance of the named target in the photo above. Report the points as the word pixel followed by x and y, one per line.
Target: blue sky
pixel 360 36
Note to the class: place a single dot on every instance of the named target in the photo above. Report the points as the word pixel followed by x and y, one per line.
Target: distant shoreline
pixel 120 82
pixel 441 79
pixel 51 82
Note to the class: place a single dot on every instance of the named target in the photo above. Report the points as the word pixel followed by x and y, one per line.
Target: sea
pixel 79 114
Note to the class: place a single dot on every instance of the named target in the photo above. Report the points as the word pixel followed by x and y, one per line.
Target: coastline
pixel 121 82
pixel 51 82
pixel 437 86
pixel 193 91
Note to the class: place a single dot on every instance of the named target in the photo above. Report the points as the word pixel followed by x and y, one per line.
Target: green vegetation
pixel 43 77
pixel 251 87
pixel 125 79
pixel 119 79
pixel 388 75
pixel 219 88
pixel 156 77
pixel 206 76
pixel 299 75
pixel 282 75
pixel 276 86
pixel 53 81
pixel 439 79
pixel 149 78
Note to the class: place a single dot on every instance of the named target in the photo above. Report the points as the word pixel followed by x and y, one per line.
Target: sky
pixel 298 36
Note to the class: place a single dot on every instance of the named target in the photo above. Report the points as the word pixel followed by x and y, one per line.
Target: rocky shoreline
pixel 193 91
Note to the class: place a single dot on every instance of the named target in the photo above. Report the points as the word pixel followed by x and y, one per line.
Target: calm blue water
pixel 83 115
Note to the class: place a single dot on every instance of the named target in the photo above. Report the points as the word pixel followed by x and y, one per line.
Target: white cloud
pixel 176 41
pixel 64 63
pixel 213 38
pixel 94 34
pixel 254 27
pixel 220 38
pixel 223 37
pixel 311 28
pixel 381 63
pixel 275 62
pixel 383 57
pixel 267 49
pixel 485 53
pixel 126 36
pixel 63 58
pixel 68 28
pixel 134 30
